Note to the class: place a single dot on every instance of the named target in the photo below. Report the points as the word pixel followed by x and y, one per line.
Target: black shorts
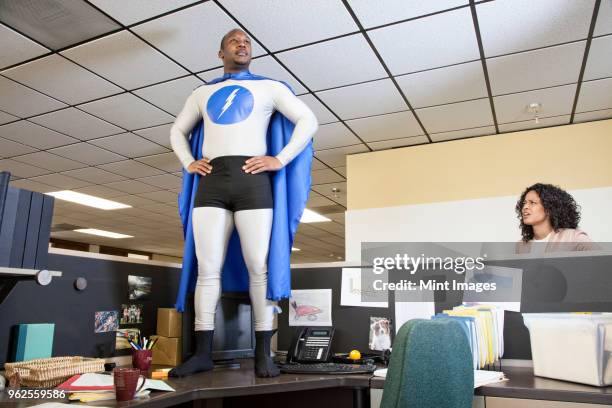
pixel 229 187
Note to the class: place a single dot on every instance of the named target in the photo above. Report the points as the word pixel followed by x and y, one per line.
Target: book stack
pixel 100 387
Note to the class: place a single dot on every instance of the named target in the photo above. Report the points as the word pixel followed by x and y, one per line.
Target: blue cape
pixel 290 187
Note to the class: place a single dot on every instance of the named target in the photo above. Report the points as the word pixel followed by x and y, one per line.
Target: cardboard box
pixel 169 322
pixel 167 351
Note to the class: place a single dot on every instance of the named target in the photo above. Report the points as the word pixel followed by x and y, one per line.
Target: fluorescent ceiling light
pixel 294 249
pixel 102 233
pixel 311 216
pixel 89 200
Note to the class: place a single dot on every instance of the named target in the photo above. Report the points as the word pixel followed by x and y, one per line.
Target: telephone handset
pixel 312 345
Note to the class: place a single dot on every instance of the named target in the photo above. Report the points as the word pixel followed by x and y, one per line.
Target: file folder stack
pixel 484 327
pixel 572 347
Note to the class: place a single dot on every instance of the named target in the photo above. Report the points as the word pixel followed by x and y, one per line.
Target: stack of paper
pixel 484 328
pixel 98 387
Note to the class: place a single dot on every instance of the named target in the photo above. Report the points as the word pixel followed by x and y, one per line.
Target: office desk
pixel 237 384
pixel 523 385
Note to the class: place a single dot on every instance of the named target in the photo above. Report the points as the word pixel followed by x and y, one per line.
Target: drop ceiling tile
pixel 28 184
pixel 21 170
pixel 131 169
pixel 295 19
pixel 349 102
pixel 211 74
pixel 542 68
pixel 6 118
pixel 166 161
pixel 76 123
pixel 158 134
pixel 137 10
pixel 424 45
pixel 593 115
pixel 50 161
pixel 456 116
pixel 127 111
pixel 599 63
pixel 129 145
pixel 555 101
pixel 317 165
pixel 462 134
pixel 21 101
pixel 134 201
pixel 326 189
pixel 62 79
pixel 595 95
pixel 174 34
pixel 384 127
pixel 16 48
pixel 9 148
pixel 56 24
pixel 33 135
pixel 604 18
pixel 518 25
pixel 94 175
pixel 334 135
pixel 161 196
pixel 375 13
pixel 337 157
pixel 170 96
pixel 60 181
pixel 530 124
pixel 100 191
pixel 341 170
pixel 125 60
pixel 324 65
pixel 444 85
pixel 87 153
pixel 315 200
pixel 407 141
pixel 268 67
pixel 326 176
pixel 163 181
pixel 131 186
pixel 323 114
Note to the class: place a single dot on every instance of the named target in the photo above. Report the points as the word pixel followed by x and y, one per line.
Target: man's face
pixel 236 52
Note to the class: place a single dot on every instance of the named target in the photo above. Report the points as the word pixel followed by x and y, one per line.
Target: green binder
pixel 34 341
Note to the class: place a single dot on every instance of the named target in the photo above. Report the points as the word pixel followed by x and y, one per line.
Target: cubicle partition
pixel 73 311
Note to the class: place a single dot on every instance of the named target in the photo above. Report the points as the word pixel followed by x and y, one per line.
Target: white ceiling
pixel 90 109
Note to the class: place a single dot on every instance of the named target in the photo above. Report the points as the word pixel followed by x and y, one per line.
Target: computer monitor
pixel 234 335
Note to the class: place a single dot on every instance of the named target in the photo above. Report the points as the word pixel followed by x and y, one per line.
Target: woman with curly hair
pixel 549 219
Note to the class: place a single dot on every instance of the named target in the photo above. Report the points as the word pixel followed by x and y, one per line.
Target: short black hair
pixel 228 34
pixel 560 206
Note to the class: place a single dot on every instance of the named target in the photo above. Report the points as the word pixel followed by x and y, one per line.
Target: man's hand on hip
pixel 202 167
pixel 258 164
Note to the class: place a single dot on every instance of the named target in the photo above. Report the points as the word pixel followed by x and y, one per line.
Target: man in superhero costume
pixel 245 184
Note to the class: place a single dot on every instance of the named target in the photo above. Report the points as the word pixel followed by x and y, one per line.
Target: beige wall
pixel 574 157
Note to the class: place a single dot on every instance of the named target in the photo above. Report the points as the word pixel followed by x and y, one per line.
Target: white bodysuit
pixel 236 116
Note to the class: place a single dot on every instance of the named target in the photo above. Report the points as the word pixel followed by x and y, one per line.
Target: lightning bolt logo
pixel 228 102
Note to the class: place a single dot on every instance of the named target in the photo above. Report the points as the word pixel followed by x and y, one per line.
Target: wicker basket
pixel 49 372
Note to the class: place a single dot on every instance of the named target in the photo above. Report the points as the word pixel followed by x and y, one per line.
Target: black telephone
pixel 311 345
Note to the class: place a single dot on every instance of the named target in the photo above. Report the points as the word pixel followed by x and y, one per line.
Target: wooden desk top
pixel 221 383
pixel 523 384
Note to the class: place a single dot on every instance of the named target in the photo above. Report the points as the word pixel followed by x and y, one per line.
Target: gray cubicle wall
pixel 73 311
pixel 352 324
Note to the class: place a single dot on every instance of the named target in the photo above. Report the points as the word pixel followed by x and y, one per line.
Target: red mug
pixel 141 359
pixel 126 381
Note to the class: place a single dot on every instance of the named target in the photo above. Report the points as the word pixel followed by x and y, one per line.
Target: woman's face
pixel 533 211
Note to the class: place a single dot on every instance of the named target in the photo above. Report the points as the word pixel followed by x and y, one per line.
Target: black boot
pixel 201 360
pixel 264 366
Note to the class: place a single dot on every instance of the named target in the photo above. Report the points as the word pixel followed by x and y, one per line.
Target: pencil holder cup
pixel 141 359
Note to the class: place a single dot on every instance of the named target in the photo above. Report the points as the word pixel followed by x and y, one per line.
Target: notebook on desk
pixel 481 377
